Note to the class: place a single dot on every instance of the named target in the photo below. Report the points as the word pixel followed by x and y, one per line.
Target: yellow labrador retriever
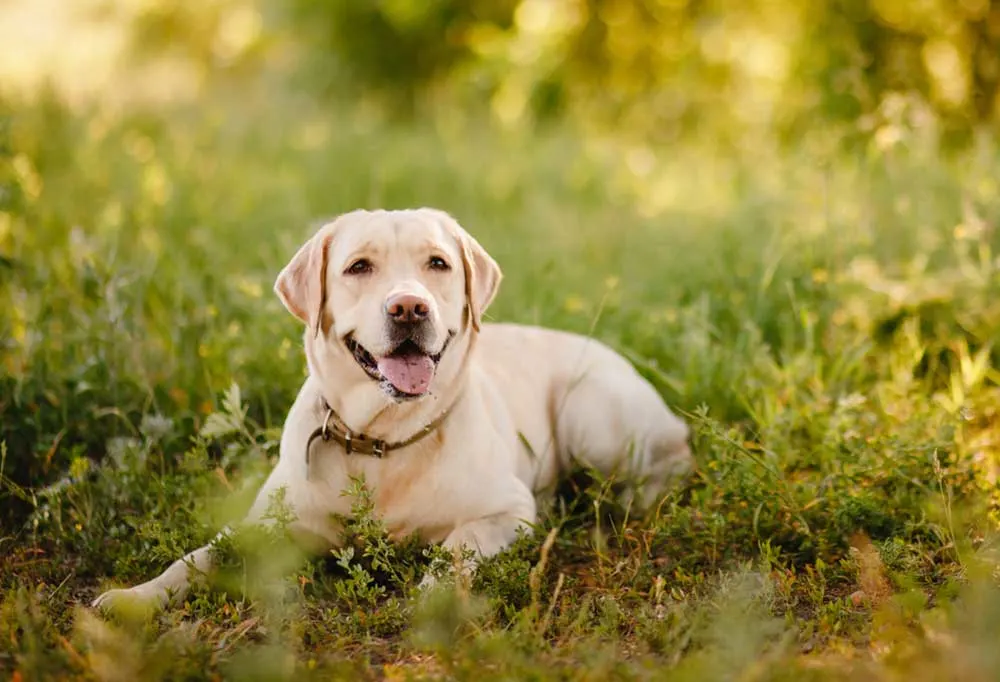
pixel 455 425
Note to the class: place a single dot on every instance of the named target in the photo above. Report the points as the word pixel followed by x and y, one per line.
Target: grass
pixel 825 321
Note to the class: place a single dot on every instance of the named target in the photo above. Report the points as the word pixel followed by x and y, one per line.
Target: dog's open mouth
pixel 406 372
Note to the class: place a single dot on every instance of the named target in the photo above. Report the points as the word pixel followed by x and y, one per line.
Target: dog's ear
pixel 482 274
pixel 301 285
pixel 482 278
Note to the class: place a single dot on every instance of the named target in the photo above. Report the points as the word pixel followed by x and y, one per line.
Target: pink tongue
pixel 410 373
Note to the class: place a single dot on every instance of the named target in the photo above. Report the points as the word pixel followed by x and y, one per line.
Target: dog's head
pixel 390 293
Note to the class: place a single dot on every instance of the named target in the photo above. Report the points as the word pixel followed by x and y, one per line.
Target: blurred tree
pixel 396 47
pixel 655 69
pixel 212 39
pixel 859 52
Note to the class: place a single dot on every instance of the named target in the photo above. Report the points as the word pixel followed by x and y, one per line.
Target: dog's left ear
pixel 301 285
pixel 482 274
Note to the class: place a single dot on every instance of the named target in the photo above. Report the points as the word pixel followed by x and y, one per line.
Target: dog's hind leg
pixel 617 423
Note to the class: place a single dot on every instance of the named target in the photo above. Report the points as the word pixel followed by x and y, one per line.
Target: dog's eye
pixel 438 263
pixel 361 266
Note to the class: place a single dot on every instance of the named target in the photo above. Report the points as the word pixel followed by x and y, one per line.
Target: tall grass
pixel 824 319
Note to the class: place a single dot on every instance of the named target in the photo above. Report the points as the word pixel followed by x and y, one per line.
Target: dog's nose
pixel 407 308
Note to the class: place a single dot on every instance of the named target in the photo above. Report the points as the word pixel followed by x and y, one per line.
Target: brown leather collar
pixel 333 428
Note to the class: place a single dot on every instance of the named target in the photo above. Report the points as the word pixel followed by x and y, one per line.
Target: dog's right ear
pixel 301 285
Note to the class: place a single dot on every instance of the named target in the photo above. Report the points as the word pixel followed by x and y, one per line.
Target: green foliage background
pixel 656 70
pixel 783 213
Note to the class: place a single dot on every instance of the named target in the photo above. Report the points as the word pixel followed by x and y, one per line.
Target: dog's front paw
pixel 142 598
pixel 444 574
pixel 428 582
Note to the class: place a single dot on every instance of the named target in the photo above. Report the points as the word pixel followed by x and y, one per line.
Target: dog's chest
pixel 417 492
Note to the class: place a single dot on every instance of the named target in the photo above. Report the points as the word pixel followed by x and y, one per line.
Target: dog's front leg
pixel 172 584
pixel 488 535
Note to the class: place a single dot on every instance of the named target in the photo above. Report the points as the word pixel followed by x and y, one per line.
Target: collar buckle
pixel 325 431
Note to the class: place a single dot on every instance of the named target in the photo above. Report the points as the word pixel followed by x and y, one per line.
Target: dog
pixel 458 427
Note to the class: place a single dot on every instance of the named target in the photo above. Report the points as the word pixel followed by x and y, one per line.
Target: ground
pixel 823 318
